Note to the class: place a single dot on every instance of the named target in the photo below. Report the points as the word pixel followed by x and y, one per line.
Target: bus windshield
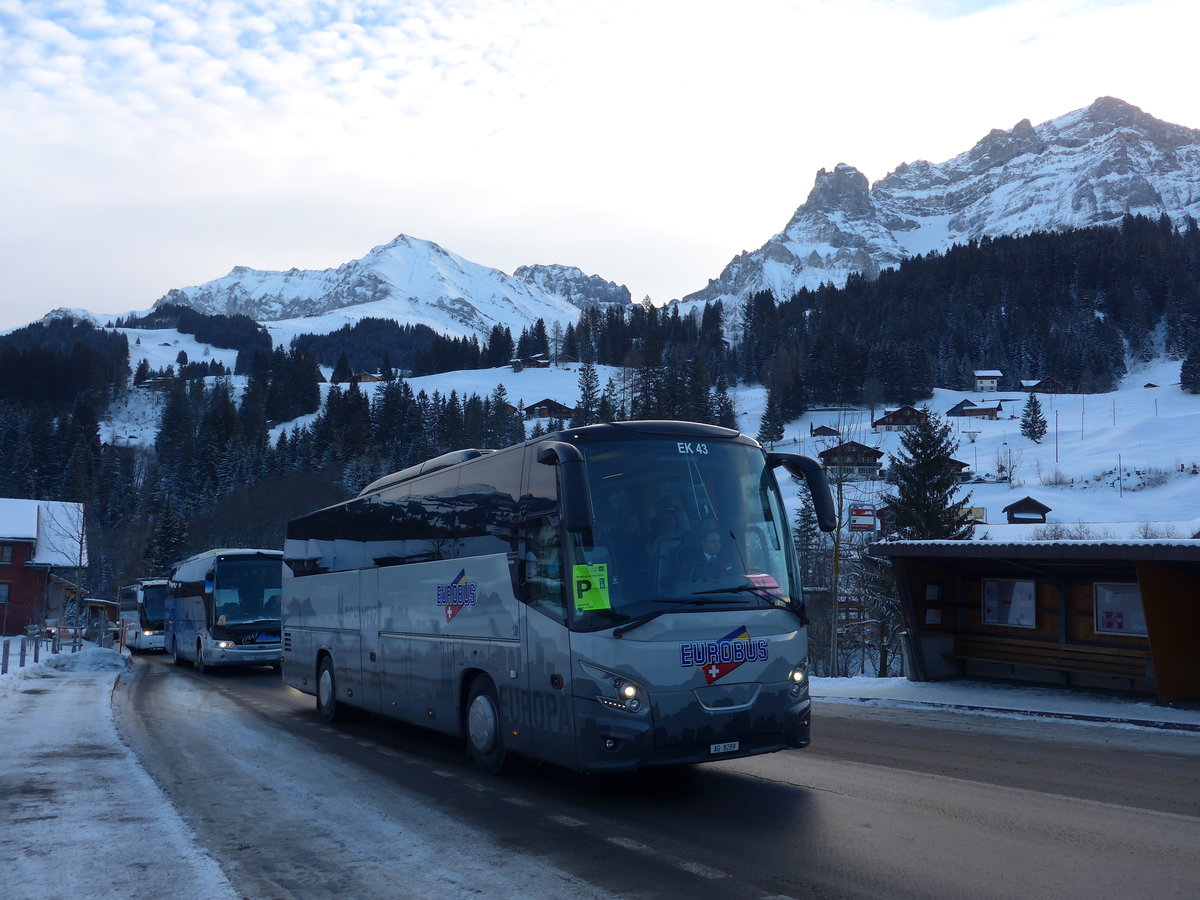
pixel 679 525
pixel 246 591
pixel 150 611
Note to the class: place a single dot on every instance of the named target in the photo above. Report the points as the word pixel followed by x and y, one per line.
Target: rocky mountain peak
pixel 845 189
pixel 1087 167
pixel 570 283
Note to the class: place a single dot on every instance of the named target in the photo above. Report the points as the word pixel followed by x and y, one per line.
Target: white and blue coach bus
pixel 141 605
pixel 222 609
pixel 547 600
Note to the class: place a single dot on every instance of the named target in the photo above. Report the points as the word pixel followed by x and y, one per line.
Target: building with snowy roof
pixel 43 553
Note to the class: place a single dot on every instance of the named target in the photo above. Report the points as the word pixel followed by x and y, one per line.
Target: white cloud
pixel 156 144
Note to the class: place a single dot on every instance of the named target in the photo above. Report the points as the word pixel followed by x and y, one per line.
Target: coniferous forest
pixel 1073 306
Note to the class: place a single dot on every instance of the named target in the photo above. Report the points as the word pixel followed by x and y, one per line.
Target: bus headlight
pixel 618 692
pixel 797 681
pixel 223 645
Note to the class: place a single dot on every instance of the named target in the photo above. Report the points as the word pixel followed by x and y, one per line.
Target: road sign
pixel 862 517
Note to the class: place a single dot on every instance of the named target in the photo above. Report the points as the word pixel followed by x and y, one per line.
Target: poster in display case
pixel 1119 609
pixel 1009 603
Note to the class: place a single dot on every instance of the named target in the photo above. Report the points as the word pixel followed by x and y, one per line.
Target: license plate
pixel 724 748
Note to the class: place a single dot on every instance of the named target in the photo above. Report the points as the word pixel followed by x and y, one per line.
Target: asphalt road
pixel 886 802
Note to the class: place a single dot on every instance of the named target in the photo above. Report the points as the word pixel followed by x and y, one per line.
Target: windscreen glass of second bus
pixel 153 598
pixel 247 591
pixel 681 524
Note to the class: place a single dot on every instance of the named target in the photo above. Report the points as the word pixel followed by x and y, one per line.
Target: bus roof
pixel 603 431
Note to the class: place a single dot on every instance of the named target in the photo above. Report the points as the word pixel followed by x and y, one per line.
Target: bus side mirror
pixel 576 495
pixel 210 582
pixel 811 471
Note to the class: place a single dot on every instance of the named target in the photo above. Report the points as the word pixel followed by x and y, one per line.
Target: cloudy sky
pixel 151 145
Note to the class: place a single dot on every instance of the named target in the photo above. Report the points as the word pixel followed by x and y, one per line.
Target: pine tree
pixel 923 505
pixel 168 539
pixel 609 408
pixel 723 407
pixel 770 429
pixel 1189 371
pixel 341 371
pixel 588 410
pixel 1033 422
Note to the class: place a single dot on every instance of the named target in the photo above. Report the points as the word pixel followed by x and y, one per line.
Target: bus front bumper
pixel 679 733
pixel 267 655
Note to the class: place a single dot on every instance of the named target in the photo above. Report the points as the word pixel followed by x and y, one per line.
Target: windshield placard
pixel 591 587
pixel 690 447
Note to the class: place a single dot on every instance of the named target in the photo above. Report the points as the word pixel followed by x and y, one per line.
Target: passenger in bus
pixel 709 561
pixel 668 526
pixel 628 540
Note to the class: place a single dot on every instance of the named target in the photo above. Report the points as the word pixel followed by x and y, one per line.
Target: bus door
pixel 366 651
pixel 546 641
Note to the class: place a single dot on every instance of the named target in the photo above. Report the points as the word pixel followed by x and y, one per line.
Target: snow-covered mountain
pixel 572 285
pixel 1088 167
pixel 410 280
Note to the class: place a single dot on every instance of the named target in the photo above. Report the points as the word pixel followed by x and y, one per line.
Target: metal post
pixel 21 663
pixel 4 658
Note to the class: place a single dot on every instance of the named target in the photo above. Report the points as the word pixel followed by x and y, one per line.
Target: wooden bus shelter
pixel 1116 615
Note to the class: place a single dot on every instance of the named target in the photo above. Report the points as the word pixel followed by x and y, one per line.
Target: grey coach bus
pixel 551 599
pixel 222 609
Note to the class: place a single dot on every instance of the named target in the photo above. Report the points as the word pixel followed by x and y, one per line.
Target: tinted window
pixel 487 505
pixel 541 495
pixel 430 518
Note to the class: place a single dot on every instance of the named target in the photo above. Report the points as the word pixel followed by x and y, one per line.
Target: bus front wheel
pixel 199 661
pixel 327 703
pixel 485 729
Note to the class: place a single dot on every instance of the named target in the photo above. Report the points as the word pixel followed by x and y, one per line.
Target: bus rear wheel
pixel 485 727
pixel 173 654
pixel 327 702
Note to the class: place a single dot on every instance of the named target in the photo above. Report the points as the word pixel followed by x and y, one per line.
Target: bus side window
pixel 543 569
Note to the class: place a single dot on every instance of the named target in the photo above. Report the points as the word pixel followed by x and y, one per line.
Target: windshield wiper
pixel 638 621
pixel 758 590
pixel 763 593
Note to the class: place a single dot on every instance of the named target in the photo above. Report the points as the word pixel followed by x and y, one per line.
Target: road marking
pixel 687 865
pixel 628 844
pixel 701 870
pixel 568 821
pixel 517 801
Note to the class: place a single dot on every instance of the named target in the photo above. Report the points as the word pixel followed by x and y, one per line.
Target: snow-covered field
pixel 1124 464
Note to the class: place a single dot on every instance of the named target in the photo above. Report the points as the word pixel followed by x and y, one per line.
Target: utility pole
pixel 833 588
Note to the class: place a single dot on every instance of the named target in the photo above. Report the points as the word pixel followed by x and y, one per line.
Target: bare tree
pixel 62 544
